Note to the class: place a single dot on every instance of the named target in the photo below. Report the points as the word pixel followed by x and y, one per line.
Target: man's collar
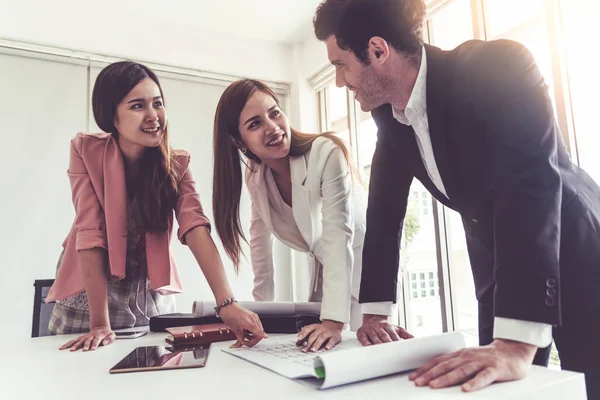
pixel 417 102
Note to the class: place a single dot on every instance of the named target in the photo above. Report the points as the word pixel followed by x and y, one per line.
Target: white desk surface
pixel 36 369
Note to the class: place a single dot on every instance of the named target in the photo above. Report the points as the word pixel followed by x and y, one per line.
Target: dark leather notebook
pixel 197 334
pixel 271 324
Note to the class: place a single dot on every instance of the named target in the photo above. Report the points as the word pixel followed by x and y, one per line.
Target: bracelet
pixel 227 302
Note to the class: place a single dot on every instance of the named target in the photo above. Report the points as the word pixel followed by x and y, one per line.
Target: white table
pixel 35 369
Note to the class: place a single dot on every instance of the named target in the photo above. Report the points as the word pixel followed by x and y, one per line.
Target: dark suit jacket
pixel 530 215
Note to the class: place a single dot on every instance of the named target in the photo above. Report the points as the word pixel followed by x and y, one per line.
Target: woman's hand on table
pixel 98 336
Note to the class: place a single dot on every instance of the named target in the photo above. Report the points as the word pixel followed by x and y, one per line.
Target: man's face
pixel 360 78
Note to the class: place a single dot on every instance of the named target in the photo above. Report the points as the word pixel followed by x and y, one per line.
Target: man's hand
pixel 376 329
pixel 503 360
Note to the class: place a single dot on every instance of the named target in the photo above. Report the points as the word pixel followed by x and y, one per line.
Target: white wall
pixel 34 178
pixel 303 99
pixel 59 23
pixel 42 107
pixel 309 58
pixel 45 103
pixel 313 56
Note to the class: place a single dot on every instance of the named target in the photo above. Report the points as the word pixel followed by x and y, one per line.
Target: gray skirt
pixel 131 301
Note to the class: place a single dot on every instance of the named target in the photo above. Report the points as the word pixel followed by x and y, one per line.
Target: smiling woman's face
pixel 264 128
pixel 141 116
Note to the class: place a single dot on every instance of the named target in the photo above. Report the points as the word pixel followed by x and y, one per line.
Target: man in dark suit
pixel 476 126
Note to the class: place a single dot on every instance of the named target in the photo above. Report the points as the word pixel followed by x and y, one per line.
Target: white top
pixel 415 115
pixel 329 212
pixel 35 368
pixel 282 215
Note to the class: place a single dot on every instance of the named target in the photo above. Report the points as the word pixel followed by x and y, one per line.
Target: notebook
pixel 194 334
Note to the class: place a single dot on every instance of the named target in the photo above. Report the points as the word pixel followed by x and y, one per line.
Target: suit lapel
pixel 438 85
pixel 301 198
pixel 115 202
pixel 258 191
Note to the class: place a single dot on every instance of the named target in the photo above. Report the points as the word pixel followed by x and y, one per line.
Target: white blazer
pixel 330 213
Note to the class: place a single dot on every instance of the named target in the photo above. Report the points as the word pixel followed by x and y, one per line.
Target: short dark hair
pixel 355 22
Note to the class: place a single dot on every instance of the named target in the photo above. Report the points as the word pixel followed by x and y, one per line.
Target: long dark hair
pixel 227 174
pixel 156 185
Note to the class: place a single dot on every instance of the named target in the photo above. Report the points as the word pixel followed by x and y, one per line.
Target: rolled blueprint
pixel 348 362
pixel 369 362
pixel 262 308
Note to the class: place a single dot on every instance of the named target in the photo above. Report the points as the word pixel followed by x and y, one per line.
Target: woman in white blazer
pixel 302 192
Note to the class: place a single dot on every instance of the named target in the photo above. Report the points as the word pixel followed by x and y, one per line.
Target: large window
pixel 528 26
pixel 450 26
pixel 437 291
pixel 581 22
pixel 335 111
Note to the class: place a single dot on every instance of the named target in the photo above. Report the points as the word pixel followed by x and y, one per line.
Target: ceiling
pixel 277 21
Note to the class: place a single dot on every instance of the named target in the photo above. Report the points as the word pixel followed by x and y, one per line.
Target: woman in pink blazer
pixel 116 268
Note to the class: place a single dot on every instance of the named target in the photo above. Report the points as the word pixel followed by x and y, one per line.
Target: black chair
pixel 41 310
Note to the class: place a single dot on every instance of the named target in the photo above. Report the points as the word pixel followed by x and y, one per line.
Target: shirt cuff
pixel 535 333
pixel 381 308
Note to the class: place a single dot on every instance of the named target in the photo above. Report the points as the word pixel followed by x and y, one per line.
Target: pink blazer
pixel 97 176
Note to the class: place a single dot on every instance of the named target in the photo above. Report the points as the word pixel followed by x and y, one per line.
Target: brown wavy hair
pixel 156 186
pixel 227 173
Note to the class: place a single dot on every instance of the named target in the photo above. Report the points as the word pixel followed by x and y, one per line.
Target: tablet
pixel 152 358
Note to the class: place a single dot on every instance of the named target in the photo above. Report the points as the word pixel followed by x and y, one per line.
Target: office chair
pixel 41 310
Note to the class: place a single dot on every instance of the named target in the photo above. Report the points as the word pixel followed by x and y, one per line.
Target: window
pixel 427 283
pixel 366 138
pixel 336 112
pixel 505 15
pixel 451 26
pixel 580 24
pixel 528 27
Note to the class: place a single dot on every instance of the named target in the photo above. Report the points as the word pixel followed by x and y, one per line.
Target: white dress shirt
pixel 415 115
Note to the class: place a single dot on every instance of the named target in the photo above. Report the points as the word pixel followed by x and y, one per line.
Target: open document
pixel 348 362
pixel 262 308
